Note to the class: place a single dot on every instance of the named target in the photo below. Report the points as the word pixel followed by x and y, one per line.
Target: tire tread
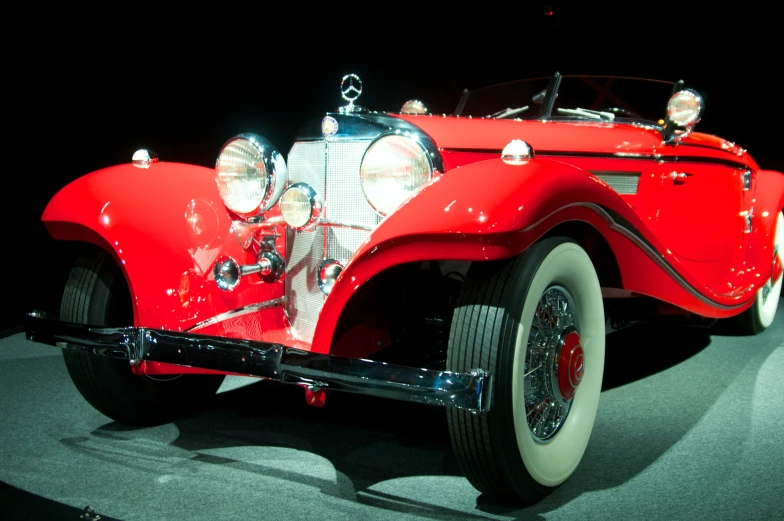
pixel 480 329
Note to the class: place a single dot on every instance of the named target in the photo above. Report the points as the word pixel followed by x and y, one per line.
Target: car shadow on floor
pixel 641 351
pixel 370 441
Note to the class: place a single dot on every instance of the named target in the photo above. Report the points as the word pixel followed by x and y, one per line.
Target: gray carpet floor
pixel 690 426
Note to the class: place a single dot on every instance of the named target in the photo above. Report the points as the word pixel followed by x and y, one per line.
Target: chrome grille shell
pixel 332 169
pixel 331 166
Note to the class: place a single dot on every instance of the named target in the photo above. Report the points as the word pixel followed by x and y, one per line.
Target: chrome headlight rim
pixel 427 148
pixel 316 206
pixel 275 169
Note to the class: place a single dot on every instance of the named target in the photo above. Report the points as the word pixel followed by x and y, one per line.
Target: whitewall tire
pixel 537 323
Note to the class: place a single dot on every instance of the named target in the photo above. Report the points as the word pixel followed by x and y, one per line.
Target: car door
pixel 701 216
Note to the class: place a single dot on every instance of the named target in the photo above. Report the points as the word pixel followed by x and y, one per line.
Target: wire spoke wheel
pixel 545 406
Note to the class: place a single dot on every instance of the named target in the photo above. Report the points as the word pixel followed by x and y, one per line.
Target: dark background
pixel 85 90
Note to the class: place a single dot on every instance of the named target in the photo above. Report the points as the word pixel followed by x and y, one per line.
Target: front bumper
pixel 470 390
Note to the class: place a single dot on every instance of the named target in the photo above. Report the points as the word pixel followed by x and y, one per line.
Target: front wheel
pixel 96 293
pixel 537 323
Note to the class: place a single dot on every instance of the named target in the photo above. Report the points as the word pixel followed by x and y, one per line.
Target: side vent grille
pixel 625 183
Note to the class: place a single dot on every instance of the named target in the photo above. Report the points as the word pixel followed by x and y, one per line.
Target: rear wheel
pixel 96 293
pixel 537 323
pixel 760 315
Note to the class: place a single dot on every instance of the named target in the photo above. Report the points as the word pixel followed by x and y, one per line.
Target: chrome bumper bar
pixel 470 390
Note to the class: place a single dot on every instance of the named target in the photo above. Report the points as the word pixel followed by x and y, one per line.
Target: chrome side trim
pixel 634 235
pixel 616 155
pixel 470 390
pixel 238 312
pixel 340 224
pixel 636 155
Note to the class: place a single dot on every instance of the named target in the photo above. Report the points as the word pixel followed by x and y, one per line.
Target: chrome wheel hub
pixel 570 366
pixel 554 363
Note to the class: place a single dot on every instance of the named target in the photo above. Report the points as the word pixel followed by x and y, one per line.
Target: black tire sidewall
pixel 96 294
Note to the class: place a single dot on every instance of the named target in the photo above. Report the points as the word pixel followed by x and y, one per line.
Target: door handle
pixel 679 177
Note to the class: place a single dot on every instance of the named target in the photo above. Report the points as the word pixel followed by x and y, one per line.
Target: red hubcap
pixel 571 365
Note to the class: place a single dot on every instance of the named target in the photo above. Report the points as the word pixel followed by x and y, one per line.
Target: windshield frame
pixel 548 103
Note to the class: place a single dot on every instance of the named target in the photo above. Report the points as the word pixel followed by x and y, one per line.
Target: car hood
pixel 476 134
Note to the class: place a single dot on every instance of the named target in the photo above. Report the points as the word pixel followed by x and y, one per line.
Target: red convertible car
pixel 473 260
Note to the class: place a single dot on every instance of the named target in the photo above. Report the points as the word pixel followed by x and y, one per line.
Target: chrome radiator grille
pixel 332 169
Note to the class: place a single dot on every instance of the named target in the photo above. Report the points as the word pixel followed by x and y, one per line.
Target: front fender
pixel 459 217
pixel 165 225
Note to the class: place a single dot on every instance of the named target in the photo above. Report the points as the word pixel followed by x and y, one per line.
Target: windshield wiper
pixel 588 113
pixel 507 112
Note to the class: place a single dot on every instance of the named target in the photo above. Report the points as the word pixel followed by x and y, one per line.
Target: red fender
pixel 166 225
pixel 457 219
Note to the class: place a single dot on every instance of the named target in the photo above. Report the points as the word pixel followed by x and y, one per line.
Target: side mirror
pixel 684 111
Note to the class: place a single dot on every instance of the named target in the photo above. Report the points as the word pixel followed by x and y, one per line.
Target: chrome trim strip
pixel 238 312
pixel 340 224
pixel 634 154
pixel 614 155
pixel 634 235
pixel 277 221
pixel 471 390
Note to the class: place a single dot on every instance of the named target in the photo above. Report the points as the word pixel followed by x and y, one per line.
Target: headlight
pixel 250 174
pixel 392 169
pixel 685 108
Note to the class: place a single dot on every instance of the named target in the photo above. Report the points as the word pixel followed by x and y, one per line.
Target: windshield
pixel 599 98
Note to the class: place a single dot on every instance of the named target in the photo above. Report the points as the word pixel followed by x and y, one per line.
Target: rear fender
pixel 456 218
pixel 165 225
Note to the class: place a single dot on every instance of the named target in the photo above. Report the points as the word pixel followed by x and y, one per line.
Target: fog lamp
pixel 300 206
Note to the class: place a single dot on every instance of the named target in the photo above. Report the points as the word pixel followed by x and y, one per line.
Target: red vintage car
pixel 473 260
